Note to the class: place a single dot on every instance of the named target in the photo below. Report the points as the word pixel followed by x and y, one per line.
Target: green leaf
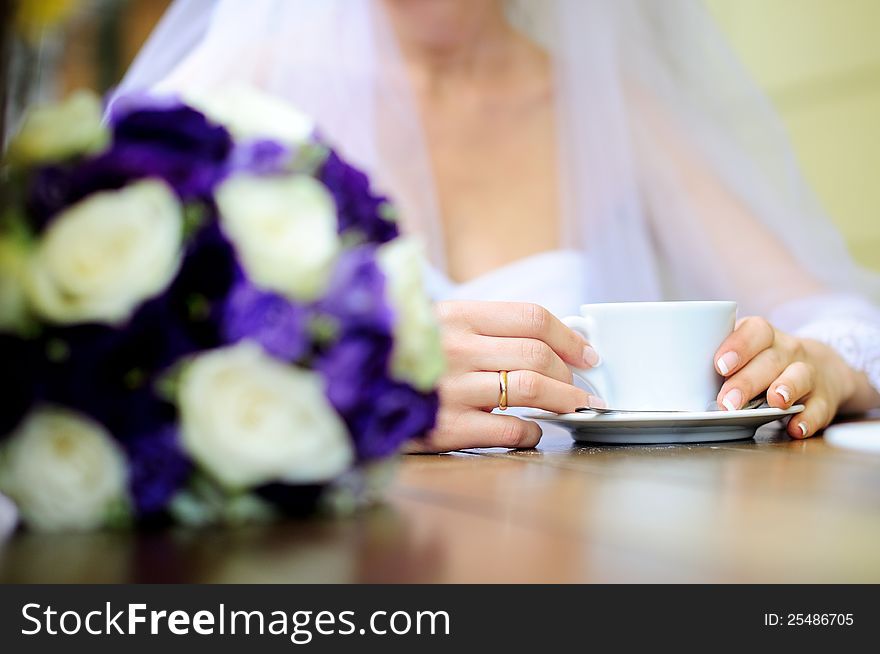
pixel 323 328
pixel 198 307
pixel 134 379
pixel 119 514
pixel 309 158
pixel 389 212
pixel 57 350
pixel 195 214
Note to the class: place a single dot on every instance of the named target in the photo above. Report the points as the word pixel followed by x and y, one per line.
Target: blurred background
pixel 819 60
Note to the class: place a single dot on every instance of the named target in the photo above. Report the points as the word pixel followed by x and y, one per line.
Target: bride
pixel 551 153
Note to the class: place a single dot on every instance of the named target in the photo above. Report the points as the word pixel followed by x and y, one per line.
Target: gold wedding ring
pixel 502 396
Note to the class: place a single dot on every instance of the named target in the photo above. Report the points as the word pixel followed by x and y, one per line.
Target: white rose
pixel 56 132
pixel 101 258
pixel 252 114
pixel 417 357
pixel 284 229
pixel 13 304
pixel 63 470
pixel 249 419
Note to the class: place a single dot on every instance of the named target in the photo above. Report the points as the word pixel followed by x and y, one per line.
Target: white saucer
pixel 660 427
pixel 860 436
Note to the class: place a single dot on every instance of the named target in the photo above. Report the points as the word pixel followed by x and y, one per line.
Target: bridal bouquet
pixel 206 316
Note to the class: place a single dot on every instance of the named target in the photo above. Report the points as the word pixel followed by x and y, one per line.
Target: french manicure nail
pixel 727 362
pixel 597 403
pixel 591 357
pixel 803 427
pixel 733 400
pixel 784 392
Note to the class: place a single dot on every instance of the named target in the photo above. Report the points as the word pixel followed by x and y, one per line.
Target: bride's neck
pixel 441 51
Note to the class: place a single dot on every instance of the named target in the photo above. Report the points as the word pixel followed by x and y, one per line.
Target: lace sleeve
pixel 857 342
pixel 848 324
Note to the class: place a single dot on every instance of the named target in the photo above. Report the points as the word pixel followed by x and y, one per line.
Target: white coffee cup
pixel 655 356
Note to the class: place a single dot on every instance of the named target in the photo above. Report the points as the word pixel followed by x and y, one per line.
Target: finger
pixel 795 382
pixel 493 354
pixel 523 320
pixel 460 430
pixel 751 336
pixel 524 388
pixel 817 414
pixel 753 379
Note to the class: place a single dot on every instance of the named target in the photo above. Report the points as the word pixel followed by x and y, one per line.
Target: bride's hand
pixel 482 338
pixel 756 357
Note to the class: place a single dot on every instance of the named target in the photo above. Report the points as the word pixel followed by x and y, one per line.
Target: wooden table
pixel 768 510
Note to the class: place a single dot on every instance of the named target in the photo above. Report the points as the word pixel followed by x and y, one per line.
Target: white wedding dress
pixel 557 279
pixel 677 178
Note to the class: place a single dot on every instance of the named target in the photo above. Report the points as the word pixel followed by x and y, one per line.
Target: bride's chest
pixel 494 156
pixel 497 173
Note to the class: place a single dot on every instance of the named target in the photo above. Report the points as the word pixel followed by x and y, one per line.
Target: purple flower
pixel 197 298
pixel 355 299
pixel 355 296
pixel 176 144
pixel 50 190
pixel 110 373
pixel 359 209
pixel 394 414
pixel 352 368
pixel 274 322
pixel 260 158
pixel 158 468
pixel 381 413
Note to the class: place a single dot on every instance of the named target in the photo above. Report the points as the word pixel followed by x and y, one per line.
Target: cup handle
pixel 583 326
